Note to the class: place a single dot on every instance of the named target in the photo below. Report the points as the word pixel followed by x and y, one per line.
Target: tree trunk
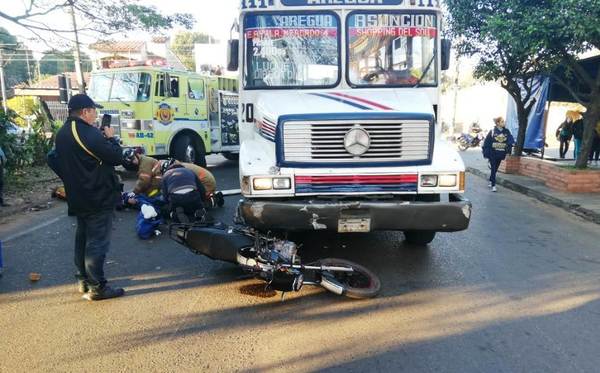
pixel 522 115
pixel 590 120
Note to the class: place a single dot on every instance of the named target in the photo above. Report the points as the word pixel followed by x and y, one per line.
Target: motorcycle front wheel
pixel 359 284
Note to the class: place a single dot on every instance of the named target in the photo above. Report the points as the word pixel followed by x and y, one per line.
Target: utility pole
pixel 28 66
pixel 3 83
pixel 77 52
pixel 456 83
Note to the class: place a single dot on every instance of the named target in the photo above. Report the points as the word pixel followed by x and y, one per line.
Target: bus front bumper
pixel 356 216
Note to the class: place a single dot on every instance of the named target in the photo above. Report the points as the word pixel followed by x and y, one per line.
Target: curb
pixel 582 212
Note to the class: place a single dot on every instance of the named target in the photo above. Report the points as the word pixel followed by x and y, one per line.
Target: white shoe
pixel 489 184
pixel 494 189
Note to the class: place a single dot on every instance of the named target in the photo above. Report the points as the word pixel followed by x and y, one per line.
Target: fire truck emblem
pixel 164 114
pixel 357 141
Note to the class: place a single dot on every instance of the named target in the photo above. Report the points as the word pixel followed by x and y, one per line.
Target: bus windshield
pixel 121 86
pixel 291 50
pixel 392 49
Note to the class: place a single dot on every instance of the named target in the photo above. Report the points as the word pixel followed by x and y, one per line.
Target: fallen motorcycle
pixel 274 260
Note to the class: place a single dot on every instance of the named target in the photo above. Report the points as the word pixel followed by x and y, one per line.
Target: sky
pixel 212 17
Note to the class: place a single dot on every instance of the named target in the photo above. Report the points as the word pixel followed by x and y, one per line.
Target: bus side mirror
pixel 446 45
pixel 233 49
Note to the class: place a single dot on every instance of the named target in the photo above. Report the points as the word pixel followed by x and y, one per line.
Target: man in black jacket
pixel 86 160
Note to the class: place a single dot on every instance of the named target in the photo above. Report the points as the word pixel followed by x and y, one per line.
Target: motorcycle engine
pixel 285 251
pixel 286 280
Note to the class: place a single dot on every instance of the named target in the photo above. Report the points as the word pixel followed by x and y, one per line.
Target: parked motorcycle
pixel 274 260
pixel 470 140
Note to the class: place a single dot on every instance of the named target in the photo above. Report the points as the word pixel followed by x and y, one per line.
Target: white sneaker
pixel 489 184
pixel 494 189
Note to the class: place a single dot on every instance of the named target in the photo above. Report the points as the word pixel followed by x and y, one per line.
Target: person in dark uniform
pixel 497 144
pixel 182 190
pixel 86 160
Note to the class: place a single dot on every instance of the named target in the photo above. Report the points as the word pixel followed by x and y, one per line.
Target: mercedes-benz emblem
pixel 357 141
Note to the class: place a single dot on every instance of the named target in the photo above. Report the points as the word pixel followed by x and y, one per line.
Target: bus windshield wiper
pixel 426 70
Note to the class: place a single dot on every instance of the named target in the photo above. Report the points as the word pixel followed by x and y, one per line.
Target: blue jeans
pixel 92 241
pixel 495 164
pixel 577 148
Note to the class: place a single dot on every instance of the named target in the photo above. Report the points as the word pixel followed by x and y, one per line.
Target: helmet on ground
pixel 166 164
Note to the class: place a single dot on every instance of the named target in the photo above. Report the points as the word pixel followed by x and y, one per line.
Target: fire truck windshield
pixel 291 50
pixel 392 49
pixel 120 86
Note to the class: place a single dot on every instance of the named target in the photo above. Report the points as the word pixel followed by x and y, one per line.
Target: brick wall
pixel 555 177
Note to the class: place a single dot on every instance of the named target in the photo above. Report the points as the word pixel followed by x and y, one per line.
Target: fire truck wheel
pixel 189 149
pixel 421 238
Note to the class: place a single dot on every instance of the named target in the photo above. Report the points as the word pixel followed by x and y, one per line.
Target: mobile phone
pixel 106 120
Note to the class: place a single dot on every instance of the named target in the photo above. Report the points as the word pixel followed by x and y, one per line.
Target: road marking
pixel 231 192
pixel 32 229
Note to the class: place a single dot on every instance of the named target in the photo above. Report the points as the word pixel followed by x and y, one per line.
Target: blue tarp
pixel 535 135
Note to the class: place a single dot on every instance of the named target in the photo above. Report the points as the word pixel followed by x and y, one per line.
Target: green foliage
pixel 103 17
pixel 58 62
pixel 15 57
pixel 183 47
pixel 28 150
pixel 23 106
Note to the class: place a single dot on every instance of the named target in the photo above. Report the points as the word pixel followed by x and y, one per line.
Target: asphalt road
pixel 517 292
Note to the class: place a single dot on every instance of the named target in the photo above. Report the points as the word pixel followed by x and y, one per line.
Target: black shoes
pixel 216 200
pixel 83 287
pixel 105 292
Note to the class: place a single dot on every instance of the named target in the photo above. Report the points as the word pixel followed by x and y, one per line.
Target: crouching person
pixel 149 175
pixel 212 197
pixel 182 190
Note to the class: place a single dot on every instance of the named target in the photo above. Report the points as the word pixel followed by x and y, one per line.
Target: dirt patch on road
pixel 29 190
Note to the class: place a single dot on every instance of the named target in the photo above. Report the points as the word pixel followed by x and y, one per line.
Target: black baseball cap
pixel 81 101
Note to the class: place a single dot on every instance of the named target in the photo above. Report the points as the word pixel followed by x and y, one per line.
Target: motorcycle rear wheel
pixel 360 284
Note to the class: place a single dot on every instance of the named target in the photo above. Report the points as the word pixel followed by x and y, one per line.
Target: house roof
pixel 118 46
pixel 51 82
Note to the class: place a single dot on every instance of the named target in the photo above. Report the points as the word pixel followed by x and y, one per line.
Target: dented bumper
pixel 295 215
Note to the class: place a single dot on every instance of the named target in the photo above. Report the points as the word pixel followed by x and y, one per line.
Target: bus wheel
pixel 231 156
pixel 189 149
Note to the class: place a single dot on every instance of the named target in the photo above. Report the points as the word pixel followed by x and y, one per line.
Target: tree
pixel 58 62
pixel 485 28
pixel 565 29
pixel 104 17
pixel 183 46
pixel 15 57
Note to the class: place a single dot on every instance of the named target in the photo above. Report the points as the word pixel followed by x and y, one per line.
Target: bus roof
pixel 303 5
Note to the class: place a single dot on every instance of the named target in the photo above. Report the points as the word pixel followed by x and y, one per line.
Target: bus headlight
pixel 429 180
pixel 262 183
pixel 268 183
pixel 282 183
pixel 447 181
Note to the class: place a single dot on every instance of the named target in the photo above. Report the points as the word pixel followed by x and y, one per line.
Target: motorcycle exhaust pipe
pixel 215 243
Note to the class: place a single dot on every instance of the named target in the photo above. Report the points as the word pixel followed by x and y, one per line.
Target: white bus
pixel 338 118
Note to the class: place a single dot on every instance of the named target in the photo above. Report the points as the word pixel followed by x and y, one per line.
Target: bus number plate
pixel 354 225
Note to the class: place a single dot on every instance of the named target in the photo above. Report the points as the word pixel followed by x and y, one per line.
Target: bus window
pixel 196 89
